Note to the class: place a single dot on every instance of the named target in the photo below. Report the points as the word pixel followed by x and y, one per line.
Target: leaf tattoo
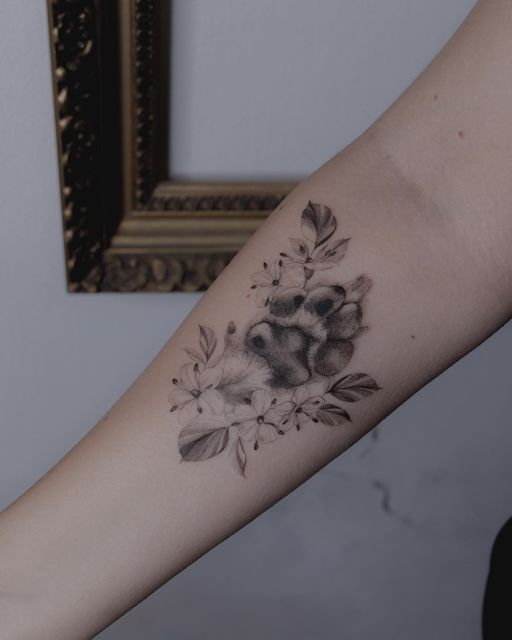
pixel 332 414
pixel 200 441
pixel 285 369
pixel 241 456
pixel 353 387
pixel 318 223
pixel 207 342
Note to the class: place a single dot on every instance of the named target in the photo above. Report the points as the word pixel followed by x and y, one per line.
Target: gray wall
pixel 274 88
pixel 392 539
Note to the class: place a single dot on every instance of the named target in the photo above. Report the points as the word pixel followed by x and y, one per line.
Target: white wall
pixel 274 88
pixel 328 562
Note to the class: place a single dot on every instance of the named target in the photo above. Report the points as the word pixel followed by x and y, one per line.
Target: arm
pixel 424 197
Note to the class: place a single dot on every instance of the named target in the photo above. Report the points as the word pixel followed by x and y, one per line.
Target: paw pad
pixel 306 334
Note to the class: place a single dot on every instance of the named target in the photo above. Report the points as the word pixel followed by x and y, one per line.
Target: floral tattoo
pixel 286 369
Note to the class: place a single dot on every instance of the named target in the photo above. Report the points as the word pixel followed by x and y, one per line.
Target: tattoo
pixel 283 370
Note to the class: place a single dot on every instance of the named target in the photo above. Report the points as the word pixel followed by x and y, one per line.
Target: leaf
pixel 300 247
pixel 207 341
pixel 241 456
pixel 195 355
pixel 318 223
pixel 333 251
pixel 332 415
pixel 198 442
pixel 353 387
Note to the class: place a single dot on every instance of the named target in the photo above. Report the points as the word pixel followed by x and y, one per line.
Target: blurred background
pixel 390 541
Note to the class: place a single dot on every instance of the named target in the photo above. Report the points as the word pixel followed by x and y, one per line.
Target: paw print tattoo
pixel 286 369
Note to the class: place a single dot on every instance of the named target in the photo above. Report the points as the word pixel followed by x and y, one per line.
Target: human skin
pixel 424 196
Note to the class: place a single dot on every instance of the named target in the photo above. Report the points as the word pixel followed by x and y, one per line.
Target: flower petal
pixel 189 376
pixel 312 404
pixel 244 412
pixel 188 411
pixel 275 270
pixel 301 418
pixel 248 430
pixel 321 266
pixel 284 408
pixel 261 278
pixel 260 401
pixel 288 421
pixel 300 394
pixel 180 396
pixel 266 433
pixel 209 378
pixel 211 400
pixel 272 416
pixel 263 294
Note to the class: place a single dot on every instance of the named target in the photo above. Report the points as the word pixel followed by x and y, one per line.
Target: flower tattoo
pixel 257 421
pixel 285 370
pixel 270 280
pixel 195 391
pixel 301 408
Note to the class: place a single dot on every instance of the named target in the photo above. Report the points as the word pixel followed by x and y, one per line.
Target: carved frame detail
pixel 127 225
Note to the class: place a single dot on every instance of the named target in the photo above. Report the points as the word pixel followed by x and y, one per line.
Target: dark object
pixel 128 224
pixel 497 611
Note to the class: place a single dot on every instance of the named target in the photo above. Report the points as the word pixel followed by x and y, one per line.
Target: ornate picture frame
pixel 127 225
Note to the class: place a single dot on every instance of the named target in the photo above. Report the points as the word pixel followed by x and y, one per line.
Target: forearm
pixel 135 502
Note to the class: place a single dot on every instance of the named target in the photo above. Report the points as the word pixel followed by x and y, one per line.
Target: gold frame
pixel 127 225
